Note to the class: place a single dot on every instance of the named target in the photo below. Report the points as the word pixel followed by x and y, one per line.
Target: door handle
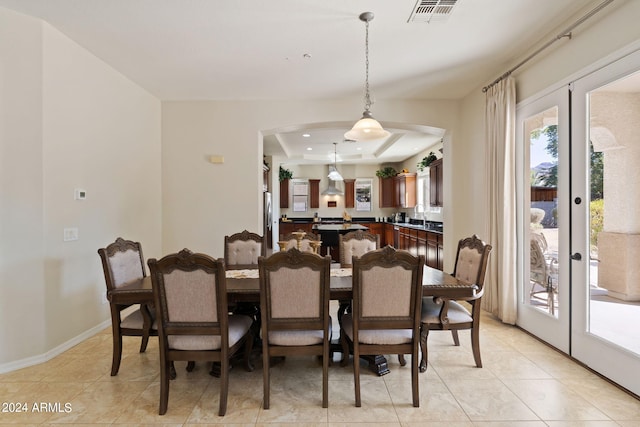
pixel 577 256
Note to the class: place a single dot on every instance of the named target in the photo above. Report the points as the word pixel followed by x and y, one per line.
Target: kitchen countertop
pixel 339 227
pixel 431 226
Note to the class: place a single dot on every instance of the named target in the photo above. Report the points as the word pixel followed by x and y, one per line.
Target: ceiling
pixel 308 49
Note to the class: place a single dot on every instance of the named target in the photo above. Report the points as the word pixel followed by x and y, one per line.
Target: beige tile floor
pixel 523 383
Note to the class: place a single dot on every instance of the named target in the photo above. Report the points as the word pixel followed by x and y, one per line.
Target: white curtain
pixel 500 296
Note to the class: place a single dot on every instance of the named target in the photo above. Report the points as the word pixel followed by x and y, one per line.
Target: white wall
pixel 203 202
pixel 68 121
pixel 22 281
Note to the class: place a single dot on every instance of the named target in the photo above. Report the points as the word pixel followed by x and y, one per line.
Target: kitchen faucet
pixel 415 213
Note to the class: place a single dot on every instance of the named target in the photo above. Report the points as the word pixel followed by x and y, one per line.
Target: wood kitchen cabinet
pixel 405 190
pixel 435 250
pixel 284 194
pixel 432 250
pixel 435 183
pixel 389 236
pixel 386 192
pixel 314 193
pixel 375 228
pixel 422 242
pixel 349 193
pixel 398 191
pixel 290 227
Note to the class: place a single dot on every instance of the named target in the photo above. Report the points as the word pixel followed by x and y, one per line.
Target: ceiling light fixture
pixel 367 128
pixel 333 171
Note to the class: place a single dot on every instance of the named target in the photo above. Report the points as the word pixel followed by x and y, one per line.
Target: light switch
pixel 80 194
pixel 70 234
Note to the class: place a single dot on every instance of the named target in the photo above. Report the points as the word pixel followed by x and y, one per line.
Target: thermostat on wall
pixel 80 194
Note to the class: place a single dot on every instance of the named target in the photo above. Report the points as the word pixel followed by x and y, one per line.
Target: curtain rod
pixel 563 34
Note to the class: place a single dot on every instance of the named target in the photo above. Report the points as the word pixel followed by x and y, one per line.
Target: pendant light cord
pixel 367 97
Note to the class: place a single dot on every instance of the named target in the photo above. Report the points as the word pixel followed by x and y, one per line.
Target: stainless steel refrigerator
pixel 268 219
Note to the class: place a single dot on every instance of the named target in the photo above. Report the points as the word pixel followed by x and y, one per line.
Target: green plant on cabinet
pixel 285 174
pixel 426 161
pixel 387 172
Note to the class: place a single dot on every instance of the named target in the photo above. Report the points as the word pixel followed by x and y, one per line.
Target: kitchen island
pixel 329 235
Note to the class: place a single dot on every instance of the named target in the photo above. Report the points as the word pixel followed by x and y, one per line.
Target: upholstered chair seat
pixel 457 313
pixel 238 326
pixel 374 336
pixel 298 338
pixel 136 320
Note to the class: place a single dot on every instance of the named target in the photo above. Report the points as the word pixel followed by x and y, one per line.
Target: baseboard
pixel 41 358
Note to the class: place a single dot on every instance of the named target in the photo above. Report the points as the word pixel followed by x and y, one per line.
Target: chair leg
pixel 191 365
pixel 414 380
pixel 456 340
pixel 164 384
pixel 224 386
pixel 117 352
pixel 144 342
pixel 325 376
pixel 356 374
pixel 475 345
pixel 402 360
pixel 248 347
pixel 265 377
pixel 172 371
pixel 424 333
pixel 345 349
pixel 147 323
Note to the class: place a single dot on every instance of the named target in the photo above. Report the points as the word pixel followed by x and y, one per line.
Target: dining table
pixel 244 286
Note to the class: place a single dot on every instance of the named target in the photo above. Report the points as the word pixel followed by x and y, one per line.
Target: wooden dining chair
pixel 194 323
pixel 387 295
pixel 441 313
pixel 241 250
pixel 123 262
pixel 294 302
pixel 356 243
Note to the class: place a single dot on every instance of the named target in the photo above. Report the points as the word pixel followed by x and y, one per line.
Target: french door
pixel 605 230
pixel 579 219
pixel 542 144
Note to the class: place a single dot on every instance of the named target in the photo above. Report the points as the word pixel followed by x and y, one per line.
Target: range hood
pixel 332 190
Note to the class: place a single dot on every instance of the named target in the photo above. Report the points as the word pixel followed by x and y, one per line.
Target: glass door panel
pixel 542 141
pixel 605 222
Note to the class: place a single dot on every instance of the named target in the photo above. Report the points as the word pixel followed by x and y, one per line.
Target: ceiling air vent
pixel 432 10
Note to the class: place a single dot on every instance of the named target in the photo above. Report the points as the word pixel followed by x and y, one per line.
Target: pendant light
pixel 367 128
pixel 334 175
